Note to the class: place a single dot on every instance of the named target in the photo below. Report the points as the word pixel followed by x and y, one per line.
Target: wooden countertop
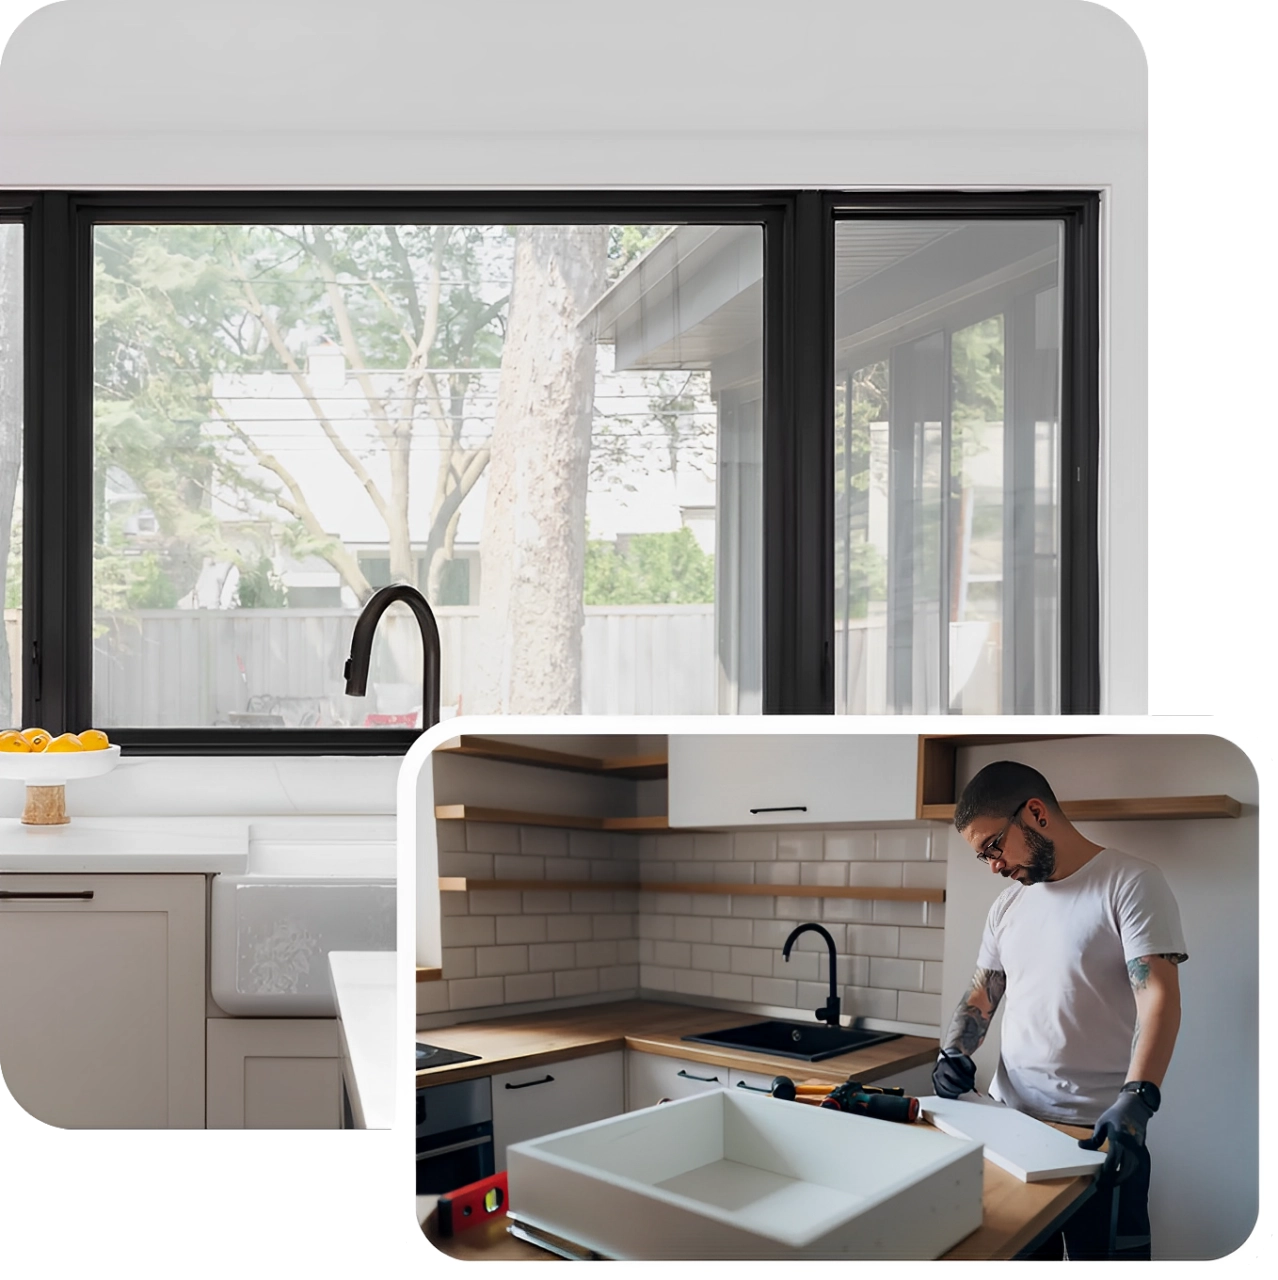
pixel 1015 1212
pixel 647 1026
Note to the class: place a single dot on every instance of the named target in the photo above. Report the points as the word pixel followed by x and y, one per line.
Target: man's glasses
pixel 993 848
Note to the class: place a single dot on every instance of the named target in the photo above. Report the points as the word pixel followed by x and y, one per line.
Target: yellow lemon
pixel 36 739
pixel 66 742
pixel 12 740
pixel 94 740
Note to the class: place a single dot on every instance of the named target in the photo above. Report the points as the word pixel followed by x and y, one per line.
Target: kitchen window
pixel 720 453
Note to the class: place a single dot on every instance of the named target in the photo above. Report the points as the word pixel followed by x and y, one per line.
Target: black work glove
pixel 1123 1126
pixel 954 1073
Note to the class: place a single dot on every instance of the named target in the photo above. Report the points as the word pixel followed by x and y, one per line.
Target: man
pixel 1084 945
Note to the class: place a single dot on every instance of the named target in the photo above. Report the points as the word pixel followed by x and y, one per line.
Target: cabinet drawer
pixel 652 1076
pixel 750 1081
pixel 535 1101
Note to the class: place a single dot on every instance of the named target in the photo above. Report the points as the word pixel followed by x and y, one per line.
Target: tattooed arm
pixel 1156 983
pixel 976 1010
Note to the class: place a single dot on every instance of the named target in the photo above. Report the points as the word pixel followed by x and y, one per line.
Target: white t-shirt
pixel 1069 1012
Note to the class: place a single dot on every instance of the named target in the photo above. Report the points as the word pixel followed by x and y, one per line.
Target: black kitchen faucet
pixel 830 1014
pixel 356 670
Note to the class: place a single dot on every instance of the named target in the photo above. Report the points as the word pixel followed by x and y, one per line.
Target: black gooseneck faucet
pixel 356 670
pixel 830 1014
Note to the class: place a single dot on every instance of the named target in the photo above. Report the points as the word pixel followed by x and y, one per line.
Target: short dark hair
pixel 998 790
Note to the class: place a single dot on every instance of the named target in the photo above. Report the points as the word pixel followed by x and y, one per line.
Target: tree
pixel 651 568
pixel 11 412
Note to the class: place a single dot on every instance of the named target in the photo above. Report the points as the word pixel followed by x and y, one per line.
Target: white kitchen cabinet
pixel 274 1073
pixel 539 1100
pixel 748 780
pixel 652 1076
pixel 751 1081
pixel 102 999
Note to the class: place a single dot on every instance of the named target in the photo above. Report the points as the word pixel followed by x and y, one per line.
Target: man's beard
pixel 1042 863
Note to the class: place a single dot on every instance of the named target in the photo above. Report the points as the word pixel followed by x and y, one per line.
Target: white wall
pixel 842 93
pixel 1204 1139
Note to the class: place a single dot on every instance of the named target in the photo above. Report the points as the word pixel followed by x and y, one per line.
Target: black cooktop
pixel 429 1055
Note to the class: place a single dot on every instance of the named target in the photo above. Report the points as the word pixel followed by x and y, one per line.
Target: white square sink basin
pixel 329 887
pixel 724 1175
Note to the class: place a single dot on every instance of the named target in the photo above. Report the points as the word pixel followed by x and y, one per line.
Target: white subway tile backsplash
pixel 777 872
pixel 803 966
pixel 800 846
pixel 576 982
pixel 752 960
pixel 710 956
pixel 589 844
pixel 873 940
pixel 812 995
pixel 775 991
pixel 691 873
pixel 874 875
pixel 938 846
pixel 925 875
pixel 596 955
pixel 512 866
pixel 672 904
pixel 935 914
pixel 825 873
pixel 693 982
pixel 712 846
pixel 659 927
pixel 500 960
pixel 646 950
pixel 592 903
pixel 468 931
pixel 476 865
pixel 903 846
pixel 610 869
pixel 521 929
pixel 619 977
pixel 676 955
pixel 628 950
pixel 491 837
pixel 903 975
pixel 656 977
pixel 566 869
pixel 868 1002
pixel 770 933
pixel 692 929
pixel 432 997
pixel 734 933
pixel 849 846
pixel 495 902
pixel 856 910
pixel 450 837
pixel 457 962
pixel 676 846
pixel 453 904
pixel 551 955
pixel 711 904
pixel 521 987
pixel 567 929
pixel 475 993
pixel 922 944
pixel 547 842
pixel 734 872
pixel 906 913
pixel 753 908
pixel 915 1006
pixel 547 902
pixel 656 872
pixel 797 909
pixel 651 848
pixel 731 986
pixel 754 846
pixel 932 976
pixel 617 925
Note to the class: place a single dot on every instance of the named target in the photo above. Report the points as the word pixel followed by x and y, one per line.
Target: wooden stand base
pixel 46 807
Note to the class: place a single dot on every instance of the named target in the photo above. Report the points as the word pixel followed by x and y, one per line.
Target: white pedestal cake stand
pixel 46 777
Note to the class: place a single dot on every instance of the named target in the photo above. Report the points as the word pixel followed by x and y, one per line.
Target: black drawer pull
pixel 11 895
pixel 700 1079
pixel 528 1084
pixel 783 808
pixel 754 1088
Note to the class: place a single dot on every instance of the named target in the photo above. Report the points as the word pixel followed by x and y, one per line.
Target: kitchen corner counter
pixel 364 991
pixel 646 1026
pixel 199 846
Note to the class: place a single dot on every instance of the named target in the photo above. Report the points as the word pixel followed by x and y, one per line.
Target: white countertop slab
pixel 364 988
pixel 200 845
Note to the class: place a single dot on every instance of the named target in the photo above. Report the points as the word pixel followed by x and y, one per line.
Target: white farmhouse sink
pixel 308 890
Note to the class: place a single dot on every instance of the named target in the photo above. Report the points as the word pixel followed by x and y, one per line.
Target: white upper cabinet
pixel 762 780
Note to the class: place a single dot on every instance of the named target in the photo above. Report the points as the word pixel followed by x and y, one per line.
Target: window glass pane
pixel 554 432
pixel 947 443
pixel 11 413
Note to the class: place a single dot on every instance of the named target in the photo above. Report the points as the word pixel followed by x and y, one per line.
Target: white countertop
pixel 200 845
pixel 364 987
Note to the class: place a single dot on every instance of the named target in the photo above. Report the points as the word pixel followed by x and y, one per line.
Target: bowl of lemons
pixel 46 762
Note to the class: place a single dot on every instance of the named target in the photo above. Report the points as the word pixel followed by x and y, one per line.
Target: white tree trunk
pixel 533 549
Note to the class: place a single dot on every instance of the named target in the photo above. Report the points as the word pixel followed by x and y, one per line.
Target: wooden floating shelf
pixel 466 884
pixel 427 974
pixel 1152 809
pixel 653 765
pixel 575 821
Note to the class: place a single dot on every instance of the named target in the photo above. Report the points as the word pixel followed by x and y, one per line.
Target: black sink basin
pixel 808 1042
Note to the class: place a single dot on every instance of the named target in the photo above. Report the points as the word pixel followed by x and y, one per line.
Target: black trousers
pixel 1085 1237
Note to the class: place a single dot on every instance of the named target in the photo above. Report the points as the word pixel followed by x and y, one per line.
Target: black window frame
pixel 798 420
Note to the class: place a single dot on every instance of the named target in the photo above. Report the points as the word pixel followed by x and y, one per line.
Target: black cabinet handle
pixel 783 808
pixel 754 1088
pixel 700 1079
pixel 12 895
pixel 528 1084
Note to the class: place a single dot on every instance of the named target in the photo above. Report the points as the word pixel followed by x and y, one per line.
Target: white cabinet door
pixel 540 1100
pixel 751 1081
pixel 760 780
pixel 102 999
pixel 274 1073
pixel 650 1077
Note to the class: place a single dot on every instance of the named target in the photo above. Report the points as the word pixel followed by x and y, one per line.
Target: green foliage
pixel 132 582
pixel 260 586
pixel 976 361
pixel 654 568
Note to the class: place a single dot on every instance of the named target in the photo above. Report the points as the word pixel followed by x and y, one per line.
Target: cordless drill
pixel 853 1097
